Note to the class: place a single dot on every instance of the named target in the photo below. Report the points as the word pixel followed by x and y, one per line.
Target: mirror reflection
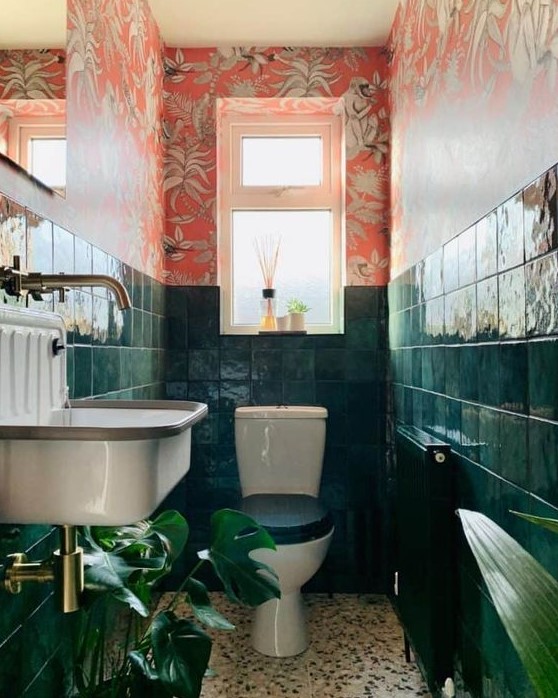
pixel 33 89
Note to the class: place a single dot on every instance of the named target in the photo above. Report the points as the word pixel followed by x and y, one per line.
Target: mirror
pixel 33 88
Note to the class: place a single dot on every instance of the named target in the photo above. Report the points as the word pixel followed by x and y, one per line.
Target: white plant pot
pixel 298 322
pixel 283 324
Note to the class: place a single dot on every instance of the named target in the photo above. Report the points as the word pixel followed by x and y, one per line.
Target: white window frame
pixel 23 129
pixel 232 195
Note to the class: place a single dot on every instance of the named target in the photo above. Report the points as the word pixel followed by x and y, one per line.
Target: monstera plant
pixel 159 654
pixel 525 595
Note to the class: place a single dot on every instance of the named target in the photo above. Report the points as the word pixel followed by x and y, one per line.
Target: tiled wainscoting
pixel 474 356
pixel 345 373
pixel 111 354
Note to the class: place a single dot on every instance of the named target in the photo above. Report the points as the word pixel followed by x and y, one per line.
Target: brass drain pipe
pixel 65 568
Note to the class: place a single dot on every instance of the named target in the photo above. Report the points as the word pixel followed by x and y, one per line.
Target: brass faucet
pixel 14 282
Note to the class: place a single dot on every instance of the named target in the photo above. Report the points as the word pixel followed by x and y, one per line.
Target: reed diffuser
pixel 267 252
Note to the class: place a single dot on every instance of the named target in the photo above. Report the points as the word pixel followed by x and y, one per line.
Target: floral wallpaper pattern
pixel 474 107
pixel 114 127
pixel 114 196
pixel 195 78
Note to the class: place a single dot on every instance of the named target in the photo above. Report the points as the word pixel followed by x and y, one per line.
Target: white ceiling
pixel 191 23
pixel 206 23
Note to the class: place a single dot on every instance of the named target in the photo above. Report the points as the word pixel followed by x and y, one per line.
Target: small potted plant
pixel 296 309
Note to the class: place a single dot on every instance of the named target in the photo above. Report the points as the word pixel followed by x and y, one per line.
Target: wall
pixel 474 354
pixel 115 151
pixel 194 78
pixel 474 97
pixel 114 199
pixel 345 373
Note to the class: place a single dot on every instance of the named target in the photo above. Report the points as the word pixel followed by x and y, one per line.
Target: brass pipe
pixel 48 283
pixel 14 281
pixel 65 568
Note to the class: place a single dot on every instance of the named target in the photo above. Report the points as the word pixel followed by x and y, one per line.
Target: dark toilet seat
pixel 289 518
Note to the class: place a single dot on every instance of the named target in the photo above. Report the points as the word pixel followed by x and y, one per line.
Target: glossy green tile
pixel 300 364
pixel 513 449
pixel 63 251
pixel 514 377
pixel 203 364
pixel 330 364
pixel 233 394
pixel 83 371
pixel 432 281
pixel 540 296
pixel 267 364
pixel 453 423
pixel 205 391
pixel 511 303
pixel 364 301
pixel 299 392
pixel 467 256
pixel 39 243
pixel 509 222
pixel 489 439
pixel 363 366
pixel 540 215
pixel 451 265
pixel 362 333
pixel 543 378
pixel 469 372
pixel 486 246
pixel 487 309
pixel 470 431
pixel 106 370
pixel 489 374
pixel 453 371
pixel 203 332
pixel 543 460
pixel 434 321
pixel 234 364
pixel 267 392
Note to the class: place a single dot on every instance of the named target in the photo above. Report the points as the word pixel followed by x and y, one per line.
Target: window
pixel 281 180
pixel 39 145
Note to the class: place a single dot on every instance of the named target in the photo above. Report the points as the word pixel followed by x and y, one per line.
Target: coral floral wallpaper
pixel 114 195
pixel 194 78
pixel 474 108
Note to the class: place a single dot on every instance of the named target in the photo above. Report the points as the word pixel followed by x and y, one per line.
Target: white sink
pixel 95 462
pixel 99 462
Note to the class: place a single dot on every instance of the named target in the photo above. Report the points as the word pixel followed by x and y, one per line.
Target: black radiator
pixel 425 550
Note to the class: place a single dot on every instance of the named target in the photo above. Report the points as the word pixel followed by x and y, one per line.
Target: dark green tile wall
pixel 474 359
pixel 345 373
pixel 110 354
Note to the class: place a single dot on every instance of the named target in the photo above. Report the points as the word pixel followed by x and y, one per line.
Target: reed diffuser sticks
pixel 267 252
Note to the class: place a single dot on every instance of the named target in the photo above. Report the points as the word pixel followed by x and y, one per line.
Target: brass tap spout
pixel 14 281
pixel 48 283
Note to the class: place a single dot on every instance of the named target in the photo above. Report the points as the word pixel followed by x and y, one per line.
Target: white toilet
pixel 280 454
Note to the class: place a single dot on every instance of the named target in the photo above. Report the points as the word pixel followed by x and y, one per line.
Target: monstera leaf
pixel 128 560
pixel 525 596
pixel 202 608
pixel 233 536
pixel 179 658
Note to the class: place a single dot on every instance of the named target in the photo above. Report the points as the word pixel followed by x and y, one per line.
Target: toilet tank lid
pixel 281 412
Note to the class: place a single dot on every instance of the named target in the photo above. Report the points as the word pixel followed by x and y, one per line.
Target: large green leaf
pixel 181 654
pixel 525 596
pixel 233 536
pixel 550 524
pixel 201 605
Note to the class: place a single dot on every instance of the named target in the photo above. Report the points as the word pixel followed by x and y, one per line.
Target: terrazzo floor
pixel 356 651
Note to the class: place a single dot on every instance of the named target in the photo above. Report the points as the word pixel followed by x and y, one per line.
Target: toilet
pixel 280 455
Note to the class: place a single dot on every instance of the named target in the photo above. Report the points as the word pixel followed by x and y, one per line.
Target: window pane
pixel 48 160
pixel 283 161
pixel 303 269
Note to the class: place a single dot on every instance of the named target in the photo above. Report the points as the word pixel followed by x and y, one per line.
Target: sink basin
pixel 96 463
pixel 103 462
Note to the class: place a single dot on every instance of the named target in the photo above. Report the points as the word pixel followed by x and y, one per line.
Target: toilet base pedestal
pixel 279 626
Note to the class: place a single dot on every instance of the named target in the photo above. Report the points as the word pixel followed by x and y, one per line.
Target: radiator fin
pixel 425 550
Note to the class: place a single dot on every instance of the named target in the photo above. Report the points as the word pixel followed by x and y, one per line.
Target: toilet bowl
pixel 280 454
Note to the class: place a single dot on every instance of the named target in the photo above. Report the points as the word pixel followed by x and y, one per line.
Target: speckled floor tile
pixel 356 651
